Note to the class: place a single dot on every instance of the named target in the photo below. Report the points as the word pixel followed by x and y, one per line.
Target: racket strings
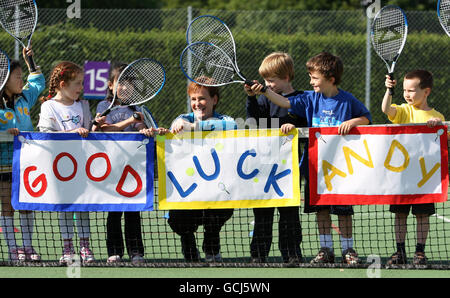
pixel 207 61
pixel 140 82
pixel 4 69
pixel 444 14
pixel 389 33
pixel 214 31
pixel 18 17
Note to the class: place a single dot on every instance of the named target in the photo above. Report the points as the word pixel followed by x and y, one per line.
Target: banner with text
pixel 65 172
pixel 406 164
pixel 228 169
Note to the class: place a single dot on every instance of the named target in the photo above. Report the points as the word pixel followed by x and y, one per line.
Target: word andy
pixel 378 165
pixel 330 171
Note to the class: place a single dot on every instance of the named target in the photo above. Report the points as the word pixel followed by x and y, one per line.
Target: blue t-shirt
pixel 216 122
pixel 321 111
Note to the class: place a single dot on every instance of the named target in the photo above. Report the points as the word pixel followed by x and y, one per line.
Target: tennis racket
pixel 443 12
pixel 211 29
pixel 4 69
pixel 388 35
pixel 139 82
pixel 19 19
pixel 208 65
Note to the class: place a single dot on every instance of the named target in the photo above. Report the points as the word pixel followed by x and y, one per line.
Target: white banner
pixel 64 172
pixel 228 169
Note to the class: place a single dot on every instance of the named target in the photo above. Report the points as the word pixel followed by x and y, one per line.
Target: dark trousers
pixel 133 236
pixel 289 229
pixel 186 222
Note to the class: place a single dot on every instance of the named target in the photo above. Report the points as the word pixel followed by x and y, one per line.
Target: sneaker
pixel 294 260
pixel 14 253
pixel 114 259
pixel 419 258
pixel 349 256
pixel 325 255
pixel 28 254
pixel 258 260
pixel 213 258
pixel 398 258
pixel 87 256
pixel 137 259
pixel 68 257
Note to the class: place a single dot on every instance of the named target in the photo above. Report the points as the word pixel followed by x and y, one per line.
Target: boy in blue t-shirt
pixel 326 105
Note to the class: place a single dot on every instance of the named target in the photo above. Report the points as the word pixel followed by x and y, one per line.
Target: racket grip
pixel 250 83
pixel 136 116
pixel 31 63
pixel 391 90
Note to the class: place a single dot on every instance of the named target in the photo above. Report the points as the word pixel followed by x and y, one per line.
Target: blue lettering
pixel 178 187
pixel 216 164
pixel 241 162
pixel 272 180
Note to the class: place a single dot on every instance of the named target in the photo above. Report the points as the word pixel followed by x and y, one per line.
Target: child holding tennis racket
pixel 121 119
pixel 417 86
pixel 63 111
pixel 326 105
pixel 277 70
pixel 186 222
pixel 15 107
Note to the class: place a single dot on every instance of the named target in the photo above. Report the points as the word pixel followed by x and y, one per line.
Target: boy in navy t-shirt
pixel 326 105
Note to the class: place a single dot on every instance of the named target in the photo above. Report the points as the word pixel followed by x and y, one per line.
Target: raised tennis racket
pixel 139 82
pixel 213 30
pixel 19 19
pixel 388 35
pixel 208 65
pixel 4 69
pixel 443 12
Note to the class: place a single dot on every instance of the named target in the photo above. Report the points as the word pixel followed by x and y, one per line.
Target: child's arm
pixel 277 99
pixel 346 126
pixel 119 126
pixel 386 107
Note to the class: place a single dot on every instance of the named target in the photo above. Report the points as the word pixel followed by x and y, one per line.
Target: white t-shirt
pixel 59 117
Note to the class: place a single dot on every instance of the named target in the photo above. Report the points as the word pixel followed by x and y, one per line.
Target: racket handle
pixel 391 90
pixel 105 112
pixel 250 83
pixel 31 63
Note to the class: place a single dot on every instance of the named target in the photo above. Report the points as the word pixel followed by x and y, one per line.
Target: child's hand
pixel 82 132
pixel 345 127
pixel 13 131
pixel 162 131
pixel 148 132
pixel 248 89
pixel 390 83
pixel 286 128
pixel 256 88
pixel 100 120
pixel 181 125
pixel 434 122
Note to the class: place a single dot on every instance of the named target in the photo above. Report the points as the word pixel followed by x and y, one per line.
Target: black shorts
pixel 334 209
pixel 6 177
pixel 427 209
